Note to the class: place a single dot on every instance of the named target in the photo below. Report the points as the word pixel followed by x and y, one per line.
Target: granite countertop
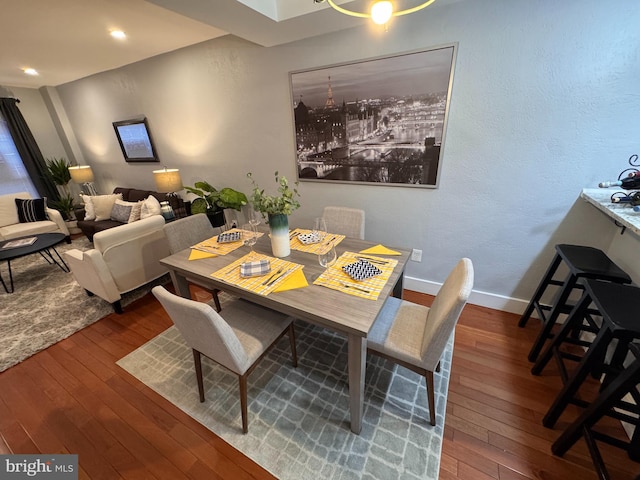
pixel 622 213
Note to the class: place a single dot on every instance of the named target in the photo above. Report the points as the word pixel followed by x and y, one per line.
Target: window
pixel 13 176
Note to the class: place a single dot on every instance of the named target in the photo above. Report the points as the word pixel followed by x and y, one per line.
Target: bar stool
pixel 610 398
pixel 615 304
pixel 583 263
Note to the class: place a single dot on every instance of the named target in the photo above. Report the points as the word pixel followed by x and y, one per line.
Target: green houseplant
pixel 277 208
pixel 213 201
pixel 58 171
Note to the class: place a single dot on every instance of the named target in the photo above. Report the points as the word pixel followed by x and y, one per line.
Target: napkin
pixel 295 280
pixel 380 250
pixel 199 254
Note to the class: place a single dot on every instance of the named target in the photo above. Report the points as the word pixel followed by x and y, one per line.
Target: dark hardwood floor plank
pixel 73 398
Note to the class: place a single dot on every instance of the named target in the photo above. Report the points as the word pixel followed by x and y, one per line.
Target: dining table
pixel 347 311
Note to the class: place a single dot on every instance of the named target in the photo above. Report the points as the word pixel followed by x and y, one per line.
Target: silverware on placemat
pixel 346 285
pixel 266 282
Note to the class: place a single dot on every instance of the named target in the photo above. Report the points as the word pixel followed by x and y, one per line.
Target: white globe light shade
pixel 381 12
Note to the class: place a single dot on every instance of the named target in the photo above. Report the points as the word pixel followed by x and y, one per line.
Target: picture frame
pixel 135 140
pixel 378 121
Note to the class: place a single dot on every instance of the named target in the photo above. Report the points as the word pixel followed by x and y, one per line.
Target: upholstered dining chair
pixel 345 221
pixel 186 232
pixel 415 336
pixel 237 342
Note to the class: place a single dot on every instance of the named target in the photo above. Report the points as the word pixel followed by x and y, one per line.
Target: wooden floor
pixel 72 398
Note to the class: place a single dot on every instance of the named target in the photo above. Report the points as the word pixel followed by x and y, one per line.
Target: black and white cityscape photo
pixel 378 121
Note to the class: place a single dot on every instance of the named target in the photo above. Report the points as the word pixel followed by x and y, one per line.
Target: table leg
pixel 6 289
pixel 357 364
pixel 180 284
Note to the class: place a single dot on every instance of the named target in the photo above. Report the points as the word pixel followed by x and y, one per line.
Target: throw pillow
pixel 136 208
pixel 89 211
pixel 126 212
pixel 32 210
pixel 150 207
pixel 103 204
pixel 121 211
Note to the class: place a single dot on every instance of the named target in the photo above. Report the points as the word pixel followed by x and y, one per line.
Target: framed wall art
pixel 378 121
pixel 135 140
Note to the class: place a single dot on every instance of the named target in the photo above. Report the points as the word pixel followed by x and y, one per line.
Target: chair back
pixel 187 231
pixel 445 311
pixel 204 330
pixel 345 221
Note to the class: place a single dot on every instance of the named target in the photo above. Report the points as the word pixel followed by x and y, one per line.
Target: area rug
pixel 299 417
pixel 47 305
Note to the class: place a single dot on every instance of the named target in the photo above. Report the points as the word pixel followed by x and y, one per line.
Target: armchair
pixel 123 258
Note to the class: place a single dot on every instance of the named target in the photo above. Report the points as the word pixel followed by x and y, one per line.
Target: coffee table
pixel 44 244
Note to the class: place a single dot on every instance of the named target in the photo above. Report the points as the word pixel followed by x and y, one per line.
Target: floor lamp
pixel 84 175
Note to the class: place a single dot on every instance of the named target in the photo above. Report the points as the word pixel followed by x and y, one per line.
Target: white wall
pixel 545 102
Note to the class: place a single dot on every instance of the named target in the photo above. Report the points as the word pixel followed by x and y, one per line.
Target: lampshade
pixel 167 180
pixel 81 174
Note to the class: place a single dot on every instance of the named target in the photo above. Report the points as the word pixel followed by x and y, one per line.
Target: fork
pixel 346 285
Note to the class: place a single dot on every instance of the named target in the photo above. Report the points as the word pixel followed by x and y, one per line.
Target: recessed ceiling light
pixel 30 71
pixel 119 34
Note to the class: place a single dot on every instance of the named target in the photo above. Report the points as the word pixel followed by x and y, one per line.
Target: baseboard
pixel 484 299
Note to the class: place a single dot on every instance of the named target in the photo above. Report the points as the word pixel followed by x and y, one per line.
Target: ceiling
pixel 65 40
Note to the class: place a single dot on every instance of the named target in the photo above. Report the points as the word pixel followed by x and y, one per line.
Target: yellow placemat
pixel 263 285
pixel 380 250
pixel 212 248
pixel 330 240
pixel 335 278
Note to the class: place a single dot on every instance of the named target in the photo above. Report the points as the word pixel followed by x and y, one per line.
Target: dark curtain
pixel 28 149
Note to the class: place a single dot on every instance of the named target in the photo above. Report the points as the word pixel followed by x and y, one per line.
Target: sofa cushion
pixel 31 210
pixel 8 210
pixel 103 204
pixel 150 207
pixel 89 211
pixel 16 230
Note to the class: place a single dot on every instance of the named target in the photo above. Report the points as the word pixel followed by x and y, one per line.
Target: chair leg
pixel 292 341
pixel 197 361
pixel 431 396
pixel 243 402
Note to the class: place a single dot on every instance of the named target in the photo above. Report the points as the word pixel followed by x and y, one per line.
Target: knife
pixel 278 277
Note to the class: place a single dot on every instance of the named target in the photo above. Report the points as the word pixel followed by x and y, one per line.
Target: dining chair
pixel 237 342
pixel 415 336
pixel 345 221
pixel 186 232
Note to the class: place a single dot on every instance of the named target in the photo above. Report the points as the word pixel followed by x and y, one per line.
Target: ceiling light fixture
pixel 30 71
pixel 381 10
pixel 119 34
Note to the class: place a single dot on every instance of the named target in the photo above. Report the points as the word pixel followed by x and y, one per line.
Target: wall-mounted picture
pixel 135 140
pixel 378 121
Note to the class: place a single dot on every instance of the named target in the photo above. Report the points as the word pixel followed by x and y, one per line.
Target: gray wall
pixel 545 102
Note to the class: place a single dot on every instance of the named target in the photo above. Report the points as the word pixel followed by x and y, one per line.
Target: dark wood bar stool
pixel 610 398
pixel 615 303
pixel 583 263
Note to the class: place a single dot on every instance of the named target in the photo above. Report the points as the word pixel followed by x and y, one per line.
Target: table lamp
pixel 168 181
pixel 84 175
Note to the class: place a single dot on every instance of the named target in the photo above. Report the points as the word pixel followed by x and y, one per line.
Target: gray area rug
pixel 299 417
pixel 47 305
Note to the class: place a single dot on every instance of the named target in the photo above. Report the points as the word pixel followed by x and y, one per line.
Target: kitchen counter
pixel 621 213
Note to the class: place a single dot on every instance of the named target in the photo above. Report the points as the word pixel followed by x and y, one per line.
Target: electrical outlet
pixel 416 255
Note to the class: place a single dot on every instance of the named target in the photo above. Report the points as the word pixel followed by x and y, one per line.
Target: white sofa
pixel 123 258
pixel 10 226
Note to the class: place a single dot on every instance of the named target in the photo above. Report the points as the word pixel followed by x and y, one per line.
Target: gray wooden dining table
pixel 350 315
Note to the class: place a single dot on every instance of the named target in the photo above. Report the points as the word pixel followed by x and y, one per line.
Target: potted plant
pixel 213 201
pixel 277 208
pixel 58 171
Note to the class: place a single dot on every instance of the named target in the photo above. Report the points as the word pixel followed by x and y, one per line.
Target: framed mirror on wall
pixel 135 140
